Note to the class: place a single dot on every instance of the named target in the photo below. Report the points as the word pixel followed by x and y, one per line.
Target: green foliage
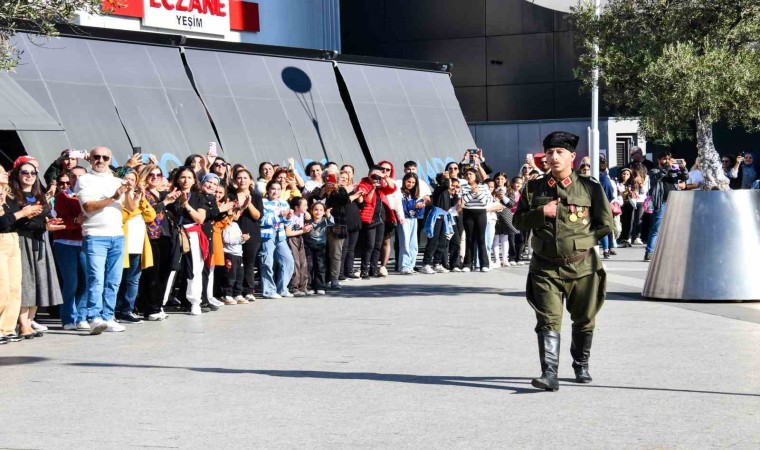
pixel 38 17
pixel 671 61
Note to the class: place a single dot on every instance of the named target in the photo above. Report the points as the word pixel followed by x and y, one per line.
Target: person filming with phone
pixel 670 175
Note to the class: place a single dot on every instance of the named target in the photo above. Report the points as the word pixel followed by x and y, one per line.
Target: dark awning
pixel 268 108
pixel 19 111
pixel 408 115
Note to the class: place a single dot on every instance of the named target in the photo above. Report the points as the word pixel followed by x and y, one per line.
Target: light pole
pixel 594 132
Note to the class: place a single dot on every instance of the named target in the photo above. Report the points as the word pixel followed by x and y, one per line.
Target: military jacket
pixel 583 217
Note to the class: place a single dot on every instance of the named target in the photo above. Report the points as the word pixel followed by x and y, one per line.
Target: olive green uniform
pixel 558 269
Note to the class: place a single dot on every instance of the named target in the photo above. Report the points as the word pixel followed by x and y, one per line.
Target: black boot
pixel 548 351
pixel 365 272
pixel 581 351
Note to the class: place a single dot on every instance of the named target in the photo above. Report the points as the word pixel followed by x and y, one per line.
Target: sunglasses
pixel 454 168
pixel 220 164
pixel 27 173
pixel 64 183
pixel 584 165
pixel 543 161
pixel 99 157
pixel 386 169
pixel 725 160
pixel 155 175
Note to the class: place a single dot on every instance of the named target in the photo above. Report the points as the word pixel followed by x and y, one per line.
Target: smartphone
pixel 529 156
pixel 136 150
pixel 79 154
pixel 212 149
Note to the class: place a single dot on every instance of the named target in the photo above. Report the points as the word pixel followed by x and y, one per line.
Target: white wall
pixel 288 23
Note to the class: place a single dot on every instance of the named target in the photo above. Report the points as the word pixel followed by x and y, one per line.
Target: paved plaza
pixel 424 361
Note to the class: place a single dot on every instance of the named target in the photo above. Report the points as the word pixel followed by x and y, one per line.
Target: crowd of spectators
pixel 100 246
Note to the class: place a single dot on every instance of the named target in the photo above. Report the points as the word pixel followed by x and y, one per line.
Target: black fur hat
pixel 561 139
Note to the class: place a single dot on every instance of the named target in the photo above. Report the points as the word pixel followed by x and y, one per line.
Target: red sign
pixel 244 16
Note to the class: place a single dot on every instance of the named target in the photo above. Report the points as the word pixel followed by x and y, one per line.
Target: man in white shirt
pixel 100 194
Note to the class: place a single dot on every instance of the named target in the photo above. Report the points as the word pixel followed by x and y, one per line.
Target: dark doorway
pixel 10 148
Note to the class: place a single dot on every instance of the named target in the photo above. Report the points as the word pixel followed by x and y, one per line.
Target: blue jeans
pixel 270 253
pixel 605 242
pixel 105 260
pixel 71 264
pixel 654 228
pixel 130 284
pixel 407 243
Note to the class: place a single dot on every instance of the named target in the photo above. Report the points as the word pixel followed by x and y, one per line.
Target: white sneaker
pixel 250 297
pixel 275 295
pixel 114 327
pixel 426 269
pixel 215 302
pixel 638 241
pixel 521 263
pixel 440 269
pixel 240 300
pixel 98 326
pixel 83 325
pixel 38 327
pixel 512 263
pixel 195 310
pixel 456 269
pixel 485 269
pixel 70 327
pixel 287 295
pixel 310 292
pixel 231 301
pixel 320 292
pixel 466 269
pixel 383 271
pixel 157 317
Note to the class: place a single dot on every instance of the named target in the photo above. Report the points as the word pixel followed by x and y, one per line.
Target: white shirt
pixel 135 235
pixel 311 185
pixel 95 186
pixel 696 177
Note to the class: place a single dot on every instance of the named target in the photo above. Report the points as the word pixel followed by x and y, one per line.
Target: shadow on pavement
pixel 416 290
pixel 19 360
pixel 476 382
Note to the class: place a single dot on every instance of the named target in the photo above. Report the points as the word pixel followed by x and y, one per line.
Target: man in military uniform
pixel 567 215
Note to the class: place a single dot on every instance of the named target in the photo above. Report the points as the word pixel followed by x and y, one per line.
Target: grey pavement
pixel 424 361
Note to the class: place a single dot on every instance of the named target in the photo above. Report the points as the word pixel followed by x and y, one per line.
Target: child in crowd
pixel 315 247
pixel 414 209
pixel 234 239
pixel 295 233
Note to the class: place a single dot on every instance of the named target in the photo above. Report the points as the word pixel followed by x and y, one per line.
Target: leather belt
pixel 564 261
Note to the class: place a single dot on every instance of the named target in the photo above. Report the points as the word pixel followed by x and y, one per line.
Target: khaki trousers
pixel 10 282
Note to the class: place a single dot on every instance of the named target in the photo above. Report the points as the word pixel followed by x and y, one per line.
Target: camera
pixel 472 151
pixel 376 177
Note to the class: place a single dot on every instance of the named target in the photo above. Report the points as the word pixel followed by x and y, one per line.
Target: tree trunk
pixel 709 160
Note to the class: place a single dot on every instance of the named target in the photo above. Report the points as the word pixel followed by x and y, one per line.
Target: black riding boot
pixel 548 351
pixel 365 272
pixel 581 351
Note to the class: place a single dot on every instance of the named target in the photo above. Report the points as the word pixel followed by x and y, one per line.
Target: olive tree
pixel 679 65
pixel 38 17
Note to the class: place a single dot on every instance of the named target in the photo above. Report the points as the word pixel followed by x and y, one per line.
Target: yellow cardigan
pixel 149 215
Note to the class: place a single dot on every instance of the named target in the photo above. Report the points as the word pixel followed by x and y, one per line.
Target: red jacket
pixel 68 208
pixel 365 186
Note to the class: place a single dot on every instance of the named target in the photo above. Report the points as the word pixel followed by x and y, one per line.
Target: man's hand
pixel 419 205
pixel 307 228
pixel 245 236
pixel 550 209
pixel 122 189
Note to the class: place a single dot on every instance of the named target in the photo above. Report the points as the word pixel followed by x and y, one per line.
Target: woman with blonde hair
pixel 136 213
